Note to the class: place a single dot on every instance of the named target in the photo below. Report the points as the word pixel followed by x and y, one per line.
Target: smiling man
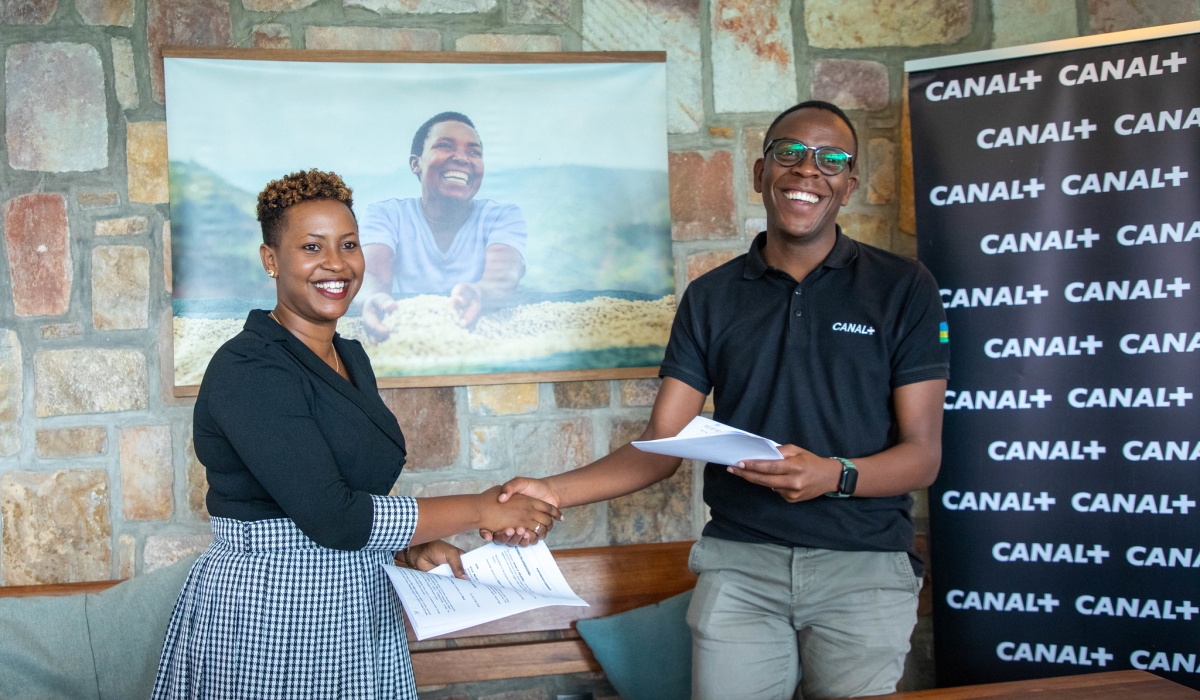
pixel 446 242
pixel 832 348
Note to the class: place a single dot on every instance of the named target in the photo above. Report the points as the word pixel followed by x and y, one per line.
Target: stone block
pixel 701 196
pixel 1016 22
pixel 126 226
pixel 124 73
pixel 551 447
pixel 56 527
pixel 11 392
pixel 700 263
pixel 55 108
pixel 503 399
pixel 165 550
pixel 146 472
pixel 755 226
pixel 98 200
pixel 720 132
pixel 489 447
pixel 857 24
pixel 868 228
pixel 127 556
pixel 908 201
pixel 639 392
pixel 38 242
pixel 1117 15
pixel 429 419
pixel 59 443
pixel 660 513
pixel 423 7
pixel 752 65
pixel 851 84
pixel 197 484
pixel 146 161
pixel 120 287
pixel 117 13
pixel 752 150
pixel 655 25
pixel 539 11
pixel 276 5
pixel 88 380
pixel 881 157
pixel 509 42
pixel 58 331
pixel 183 23
pixel 272 36
pixel 581 394
pixel 27 11
pixel 372 39
pixel 168 276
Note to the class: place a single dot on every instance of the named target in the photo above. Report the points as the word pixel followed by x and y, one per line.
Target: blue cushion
pixel 646 653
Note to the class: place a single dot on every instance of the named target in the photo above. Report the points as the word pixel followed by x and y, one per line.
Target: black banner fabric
pixel 1058 208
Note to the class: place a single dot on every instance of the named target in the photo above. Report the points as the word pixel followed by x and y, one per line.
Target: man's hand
pixel 799 476
pixel 374 309
pixel 424 557
pixel 534 488
pixel 467 301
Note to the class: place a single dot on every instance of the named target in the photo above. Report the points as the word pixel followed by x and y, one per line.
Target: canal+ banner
pixel 1058 205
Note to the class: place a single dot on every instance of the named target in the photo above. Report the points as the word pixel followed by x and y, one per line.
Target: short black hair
pixel 292 189
pixel 816 104
pixel 422 135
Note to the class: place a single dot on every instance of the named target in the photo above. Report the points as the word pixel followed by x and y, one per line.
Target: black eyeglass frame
pixel 850 158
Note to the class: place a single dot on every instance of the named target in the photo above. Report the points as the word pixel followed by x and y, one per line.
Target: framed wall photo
pixel 546 171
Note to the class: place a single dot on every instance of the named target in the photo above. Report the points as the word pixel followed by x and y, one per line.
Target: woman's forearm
pixel 443 516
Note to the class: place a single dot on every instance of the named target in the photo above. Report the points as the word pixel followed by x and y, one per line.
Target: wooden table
pixel 1115 685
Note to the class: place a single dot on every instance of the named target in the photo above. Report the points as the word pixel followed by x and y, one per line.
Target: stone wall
pixel 97 474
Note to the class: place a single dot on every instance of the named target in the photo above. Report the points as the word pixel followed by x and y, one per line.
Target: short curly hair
pixel 288 191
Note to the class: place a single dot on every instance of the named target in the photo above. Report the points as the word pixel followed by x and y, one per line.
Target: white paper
pixel 710 441
pixel 504 581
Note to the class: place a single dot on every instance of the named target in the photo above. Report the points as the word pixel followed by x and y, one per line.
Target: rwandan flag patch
pixel 944 332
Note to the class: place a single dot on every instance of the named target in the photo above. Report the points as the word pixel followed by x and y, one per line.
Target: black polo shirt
pixel 812 364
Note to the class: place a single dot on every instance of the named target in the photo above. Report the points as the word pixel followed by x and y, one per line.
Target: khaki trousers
pixel 767 618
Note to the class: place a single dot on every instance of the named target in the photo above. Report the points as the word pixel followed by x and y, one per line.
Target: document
pixel 504 581
pixel 710 441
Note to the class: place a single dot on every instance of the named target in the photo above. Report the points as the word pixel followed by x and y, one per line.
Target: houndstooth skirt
pixel 268 613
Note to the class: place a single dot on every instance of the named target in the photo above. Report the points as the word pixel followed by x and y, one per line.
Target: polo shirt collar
pixel 844 252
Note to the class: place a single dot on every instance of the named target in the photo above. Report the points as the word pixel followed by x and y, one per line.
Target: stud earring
pixel 272 274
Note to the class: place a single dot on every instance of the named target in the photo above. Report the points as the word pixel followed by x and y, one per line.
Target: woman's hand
pixel 374 309
pixel 424 557
pixel 528 518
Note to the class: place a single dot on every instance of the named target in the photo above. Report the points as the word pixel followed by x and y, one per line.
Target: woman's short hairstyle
pixel 422 135
pixel 290 190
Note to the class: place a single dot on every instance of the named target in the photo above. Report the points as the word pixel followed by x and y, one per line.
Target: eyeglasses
pixel 789 153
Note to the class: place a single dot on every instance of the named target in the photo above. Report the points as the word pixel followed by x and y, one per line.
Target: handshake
pixel 519 512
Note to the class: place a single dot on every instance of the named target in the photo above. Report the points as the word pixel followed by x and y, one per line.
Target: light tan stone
pixel 276 5
pixel 272 36
pixel 168 263
pixel 1118 15
pixel 868 228
pixel 126 226
pixel 539 11
pixel 372 39
pixel 98 200
pixel 593 394
pixel 503 399
pixel 752 65
pixel 146 472
pixel 11 392
pixel 508 42
pixel 165 550
pixel 197 484
pixel 489 447
pixel 700 263
pixel 120 287
pixel 118 13
pixel 856 24
pixel 58 443
pixel 423 6
pixel 146 161
pixel 58 331
pixel 639 392
pixel 660 513
pixel 124 73
pixel 1016 22
pixel 720 132
pixel 545 448
pixel 882 181
pixel 56 527
pixel 88 380
pixel 127 556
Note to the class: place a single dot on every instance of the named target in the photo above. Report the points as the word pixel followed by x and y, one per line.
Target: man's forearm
pixel 898 470
pixel 626 470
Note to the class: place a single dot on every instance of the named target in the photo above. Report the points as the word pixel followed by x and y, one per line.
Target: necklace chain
pixel 336 358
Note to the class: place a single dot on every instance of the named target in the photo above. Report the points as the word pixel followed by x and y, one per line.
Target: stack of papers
pixel 710 441
pixel 504 581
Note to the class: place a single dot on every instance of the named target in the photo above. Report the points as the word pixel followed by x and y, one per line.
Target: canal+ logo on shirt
pixel 856 328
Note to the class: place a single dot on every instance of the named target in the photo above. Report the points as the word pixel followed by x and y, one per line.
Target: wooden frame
pixel 433 57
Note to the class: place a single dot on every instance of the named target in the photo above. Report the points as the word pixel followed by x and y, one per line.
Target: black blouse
pixel 282 435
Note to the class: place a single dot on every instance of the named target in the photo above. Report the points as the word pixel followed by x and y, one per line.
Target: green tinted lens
pixel 788 153
pixel 832 162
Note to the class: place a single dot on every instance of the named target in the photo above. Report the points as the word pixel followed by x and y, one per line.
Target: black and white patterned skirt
pixel 268 613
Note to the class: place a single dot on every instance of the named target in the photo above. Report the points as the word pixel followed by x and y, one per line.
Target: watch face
pixel 849 480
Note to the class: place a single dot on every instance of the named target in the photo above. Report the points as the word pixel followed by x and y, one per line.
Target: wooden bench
pixel 537 643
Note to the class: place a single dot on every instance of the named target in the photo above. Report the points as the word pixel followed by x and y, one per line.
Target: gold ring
pixel 537 528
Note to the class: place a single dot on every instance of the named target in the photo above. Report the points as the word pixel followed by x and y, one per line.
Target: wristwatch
pixel 848 481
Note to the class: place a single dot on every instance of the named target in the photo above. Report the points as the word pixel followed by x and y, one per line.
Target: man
pixel 831 347
pixel 446 242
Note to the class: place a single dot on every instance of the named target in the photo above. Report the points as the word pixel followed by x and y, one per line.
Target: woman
pixel 290 600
